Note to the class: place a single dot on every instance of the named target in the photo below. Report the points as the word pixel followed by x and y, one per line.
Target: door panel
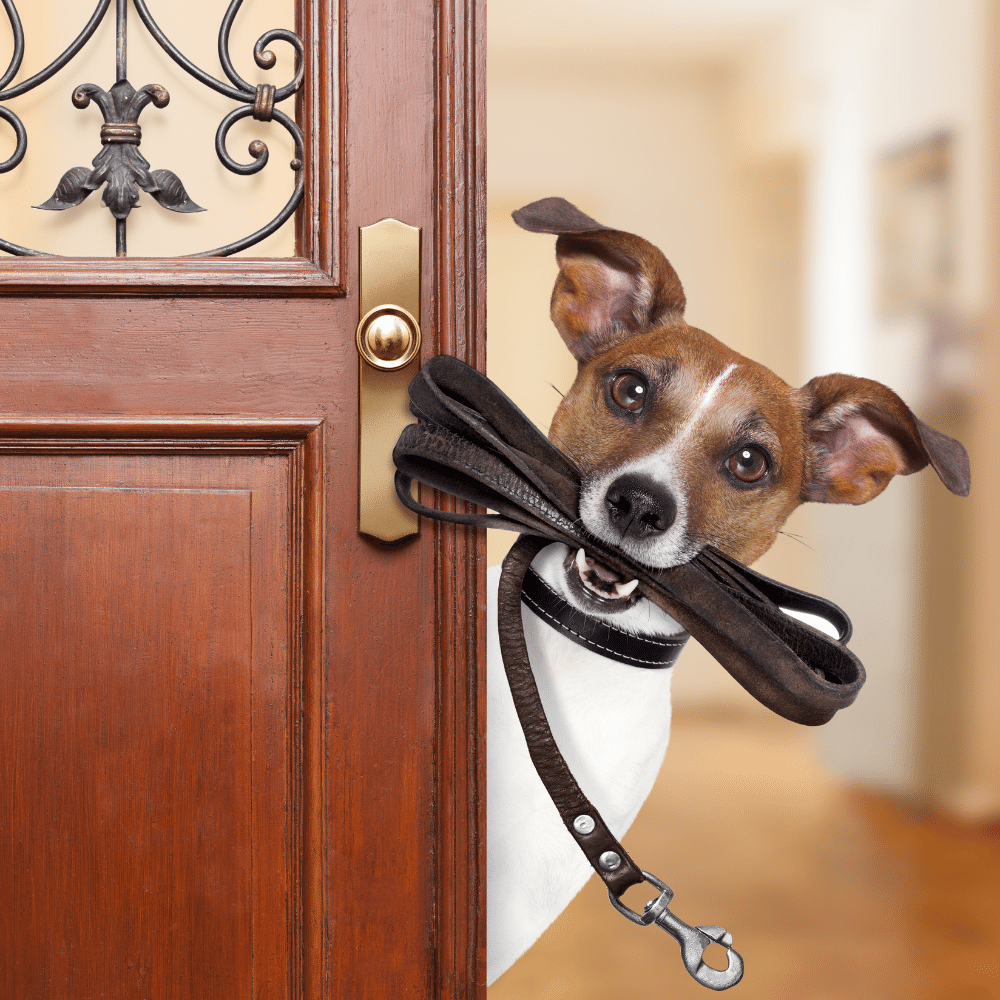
pixel 290 713
pixel 156 714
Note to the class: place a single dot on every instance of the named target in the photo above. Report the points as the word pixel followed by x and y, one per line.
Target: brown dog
pixel 681 443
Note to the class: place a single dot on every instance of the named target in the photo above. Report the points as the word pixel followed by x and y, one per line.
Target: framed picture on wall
pixel 919 340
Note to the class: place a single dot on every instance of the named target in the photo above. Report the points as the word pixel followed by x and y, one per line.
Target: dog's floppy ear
pixel 861 434
pixel 611 284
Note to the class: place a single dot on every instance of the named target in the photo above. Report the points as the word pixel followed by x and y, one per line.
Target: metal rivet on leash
pixel 583 825
pixel 609 860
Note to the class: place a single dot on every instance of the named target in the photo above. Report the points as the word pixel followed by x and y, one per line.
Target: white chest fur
pixel 612 724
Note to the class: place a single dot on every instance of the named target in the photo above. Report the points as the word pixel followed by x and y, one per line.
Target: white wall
pixel 687 149
pixel 894 73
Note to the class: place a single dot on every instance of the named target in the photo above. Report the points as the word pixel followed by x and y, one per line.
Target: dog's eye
pixel 629 391
pixel 748 464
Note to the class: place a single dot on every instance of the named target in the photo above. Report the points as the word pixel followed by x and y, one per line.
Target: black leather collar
pixel 649 651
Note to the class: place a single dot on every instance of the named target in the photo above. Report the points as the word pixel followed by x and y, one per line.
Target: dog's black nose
pixel 638 507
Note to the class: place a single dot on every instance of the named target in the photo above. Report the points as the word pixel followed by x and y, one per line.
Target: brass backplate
pixel 390 276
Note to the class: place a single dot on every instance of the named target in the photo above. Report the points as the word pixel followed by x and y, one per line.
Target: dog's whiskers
pixel 797 538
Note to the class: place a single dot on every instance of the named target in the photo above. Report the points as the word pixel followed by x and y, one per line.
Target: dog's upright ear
pixel 611 284
pixel 861 434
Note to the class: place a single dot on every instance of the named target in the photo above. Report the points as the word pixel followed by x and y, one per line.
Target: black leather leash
pixel 475 444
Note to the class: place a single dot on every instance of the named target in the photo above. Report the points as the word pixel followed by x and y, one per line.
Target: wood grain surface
pixel 158 688
pixel 290 758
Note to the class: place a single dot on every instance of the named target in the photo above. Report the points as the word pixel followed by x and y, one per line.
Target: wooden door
pixel 238 741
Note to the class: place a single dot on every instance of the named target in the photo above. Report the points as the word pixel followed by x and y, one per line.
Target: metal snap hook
pixel 693 940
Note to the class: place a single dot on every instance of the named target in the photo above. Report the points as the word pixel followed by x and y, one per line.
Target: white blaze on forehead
pixel 675 546
pixel 702 406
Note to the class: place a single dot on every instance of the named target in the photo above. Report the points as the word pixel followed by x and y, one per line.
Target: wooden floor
pixel 830 894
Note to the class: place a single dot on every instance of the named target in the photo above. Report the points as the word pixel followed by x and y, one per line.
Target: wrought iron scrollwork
pixel 119 165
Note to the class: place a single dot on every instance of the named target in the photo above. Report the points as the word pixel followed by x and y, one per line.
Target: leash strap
pixel 475 444
pixel 583 821
pixel 585 824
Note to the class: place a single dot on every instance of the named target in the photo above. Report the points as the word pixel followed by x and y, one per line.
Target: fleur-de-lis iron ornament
pixel 119 166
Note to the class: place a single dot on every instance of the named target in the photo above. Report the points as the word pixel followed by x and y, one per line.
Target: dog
pixel 681 443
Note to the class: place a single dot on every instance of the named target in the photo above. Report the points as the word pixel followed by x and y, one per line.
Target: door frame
pixel 459 329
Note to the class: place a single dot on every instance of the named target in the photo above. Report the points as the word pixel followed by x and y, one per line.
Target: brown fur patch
pixel 618 305
pixel 680 363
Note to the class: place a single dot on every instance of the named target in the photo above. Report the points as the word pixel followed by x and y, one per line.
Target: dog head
pixel 684 443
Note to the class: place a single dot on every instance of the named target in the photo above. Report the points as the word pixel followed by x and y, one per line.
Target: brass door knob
pixel 388 337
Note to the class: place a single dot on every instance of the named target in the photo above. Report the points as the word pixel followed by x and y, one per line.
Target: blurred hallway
pixel 830 893
pixel 796 160
pixel 819 173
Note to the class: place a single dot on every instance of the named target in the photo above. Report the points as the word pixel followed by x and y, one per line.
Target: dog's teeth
pixel 624 589
pixel 581 561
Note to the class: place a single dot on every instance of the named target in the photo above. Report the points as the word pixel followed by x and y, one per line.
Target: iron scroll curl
pixel 119 166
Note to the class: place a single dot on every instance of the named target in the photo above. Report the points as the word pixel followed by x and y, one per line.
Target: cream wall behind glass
pixel 179 137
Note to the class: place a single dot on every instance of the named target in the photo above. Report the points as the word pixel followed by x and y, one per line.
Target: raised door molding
pixel 161 705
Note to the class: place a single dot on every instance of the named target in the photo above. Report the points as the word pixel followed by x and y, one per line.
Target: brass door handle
pixel 388 337
pixel 388 341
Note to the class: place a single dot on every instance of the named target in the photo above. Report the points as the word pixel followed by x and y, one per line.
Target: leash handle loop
pixel 476 445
